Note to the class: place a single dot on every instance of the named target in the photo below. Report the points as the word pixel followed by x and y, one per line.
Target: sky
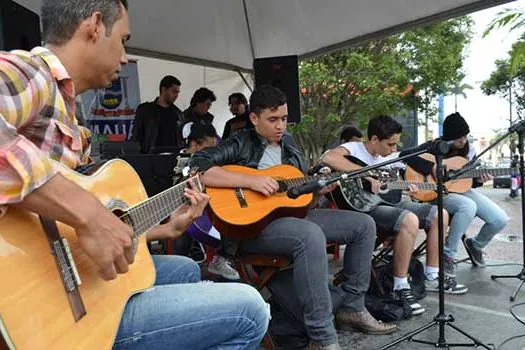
pixel 484 113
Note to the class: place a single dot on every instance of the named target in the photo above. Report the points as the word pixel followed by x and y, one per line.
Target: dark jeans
pixel 304 241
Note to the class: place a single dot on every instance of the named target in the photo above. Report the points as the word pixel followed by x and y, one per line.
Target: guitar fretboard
pixel 298 181
pixel 405 185
pixel 149 213
pixel 490 171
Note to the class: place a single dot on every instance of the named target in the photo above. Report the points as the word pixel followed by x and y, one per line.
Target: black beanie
pixel 455 127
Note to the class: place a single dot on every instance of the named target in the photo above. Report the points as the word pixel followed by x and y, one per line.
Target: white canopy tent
pixel 231 33
pixel 226 35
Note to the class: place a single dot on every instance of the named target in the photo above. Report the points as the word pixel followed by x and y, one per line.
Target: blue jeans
pixel 464 208
pixel 180 312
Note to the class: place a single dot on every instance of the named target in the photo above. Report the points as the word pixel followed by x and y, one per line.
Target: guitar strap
pixel 64 267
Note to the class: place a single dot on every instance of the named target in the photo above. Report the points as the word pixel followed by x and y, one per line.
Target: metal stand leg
pixel 441 320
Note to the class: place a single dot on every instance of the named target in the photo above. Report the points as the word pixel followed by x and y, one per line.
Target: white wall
pixel 192 77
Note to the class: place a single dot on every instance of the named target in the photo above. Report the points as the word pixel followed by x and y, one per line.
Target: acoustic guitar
pixel 243 213
pixel 460 185
pixel 355 194
pixel 52 296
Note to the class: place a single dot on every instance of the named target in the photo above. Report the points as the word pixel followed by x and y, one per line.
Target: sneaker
pixel 449 266
pixel 475 254
pixel 450 286
pixel 405 295
pixel 222 267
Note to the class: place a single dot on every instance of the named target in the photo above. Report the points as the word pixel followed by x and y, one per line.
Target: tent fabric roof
pixel 231 33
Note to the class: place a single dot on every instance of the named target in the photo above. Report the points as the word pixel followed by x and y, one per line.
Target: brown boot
pixel 317 346
pixel 363 321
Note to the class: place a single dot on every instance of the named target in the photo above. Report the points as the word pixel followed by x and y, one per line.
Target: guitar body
pixel 350 195
pixel 237 220
pixel 354 194
pixel 457 186
pixel 34 309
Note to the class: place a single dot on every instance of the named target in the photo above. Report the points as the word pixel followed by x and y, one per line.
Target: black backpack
pixel 379 301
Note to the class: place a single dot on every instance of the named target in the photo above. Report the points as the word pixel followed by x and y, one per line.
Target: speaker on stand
pixel 19 27
pixel 283 73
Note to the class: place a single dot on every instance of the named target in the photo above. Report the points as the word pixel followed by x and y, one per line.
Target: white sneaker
pixel 222 267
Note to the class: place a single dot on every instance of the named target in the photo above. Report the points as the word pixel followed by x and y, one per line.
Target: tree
pixel 506 84
pixel 346 87
pixel 379 77
pixel 459 88
pixel 514 20
pixel 434 55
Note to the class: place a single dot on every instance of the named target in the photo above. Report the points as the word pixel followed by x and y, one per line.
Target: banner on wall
pixel 111 110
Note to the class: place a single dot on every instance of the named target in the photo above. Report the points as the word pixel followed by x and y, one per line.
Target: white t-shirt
pixel 358 150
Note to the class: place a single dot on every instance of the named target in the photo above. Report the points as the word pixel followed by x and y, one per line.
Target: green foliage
pixel 459 88
pixel 379 77
pixel 513 19
pixel 510 17
pixel 503 81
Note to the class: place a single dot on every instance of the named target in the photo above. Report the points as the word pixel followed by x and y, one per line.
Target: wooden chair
pixel 257 270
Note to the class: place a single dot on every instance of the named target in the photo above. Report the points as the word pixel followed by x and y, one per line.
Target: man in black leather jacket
pixel 303 240
pixel 158 124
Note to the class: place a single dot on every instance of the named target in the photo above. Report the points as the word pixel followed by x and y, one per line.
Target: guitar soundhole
pixel 121 214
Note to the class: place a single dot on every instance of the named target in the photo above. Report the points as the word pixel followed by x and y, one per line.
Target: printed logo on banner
pixel 110 111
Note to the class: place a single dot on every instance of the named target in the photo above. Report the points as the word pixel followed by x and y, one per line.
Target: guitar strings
pixel 151 220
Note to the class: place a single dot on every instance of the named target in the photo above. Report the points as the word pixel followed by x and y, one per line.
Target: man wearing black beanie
pixel 464 207
pixel 455 127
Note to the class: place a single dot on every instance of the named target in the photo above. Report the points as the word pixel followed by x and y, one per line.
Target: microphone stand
pixel 439 149
pixel 520 129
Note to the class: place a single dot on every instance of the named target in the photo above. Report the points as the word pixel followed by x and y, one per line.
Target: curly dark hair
pixel 266 96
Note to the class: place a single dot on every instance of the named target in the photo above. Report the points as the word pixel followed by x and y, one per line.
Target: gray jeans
pixel 304 241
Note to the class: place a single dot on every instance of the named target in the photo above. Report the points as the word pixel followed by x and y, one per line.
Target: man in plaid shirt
pixel 85 49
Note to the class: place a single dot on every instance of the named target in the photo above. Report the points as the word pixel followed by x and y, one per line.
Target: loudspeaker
pixel 283 73
pixel 19 27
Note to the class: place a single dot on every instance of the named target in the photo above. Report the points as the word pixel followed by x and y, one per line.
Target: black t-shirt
pixel 167 130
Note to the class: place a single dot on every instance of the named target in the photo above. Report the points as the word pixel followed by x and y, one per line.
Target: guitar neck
pixel 149 213
pixel 298 181
pixel 491 171
pixel 405 185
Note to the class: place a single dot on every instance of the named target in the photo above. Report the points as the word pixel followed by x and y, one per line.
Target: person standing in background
pixel 241 120
pixel 158 124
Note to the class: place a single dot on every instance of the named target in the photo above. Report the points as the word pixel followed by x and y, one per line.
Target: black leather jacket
pixel 146 126
pixel 245 148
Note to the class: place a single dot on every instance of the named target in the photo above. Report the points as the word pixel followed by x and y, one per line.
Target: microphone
pixel 518 126
pixel 437 146
pixel 308 187
pixel 440 146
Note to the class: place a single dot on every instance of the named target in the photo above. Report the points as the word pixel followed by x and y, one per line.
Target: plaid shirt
pixel 37 122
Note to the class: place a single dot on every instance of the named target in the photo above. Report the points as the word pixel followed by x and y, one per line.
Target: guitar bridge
pixel 66 265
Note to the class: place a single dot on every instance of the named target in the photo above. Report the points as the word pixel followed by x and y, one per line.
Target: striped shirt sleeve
pixel 24 91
